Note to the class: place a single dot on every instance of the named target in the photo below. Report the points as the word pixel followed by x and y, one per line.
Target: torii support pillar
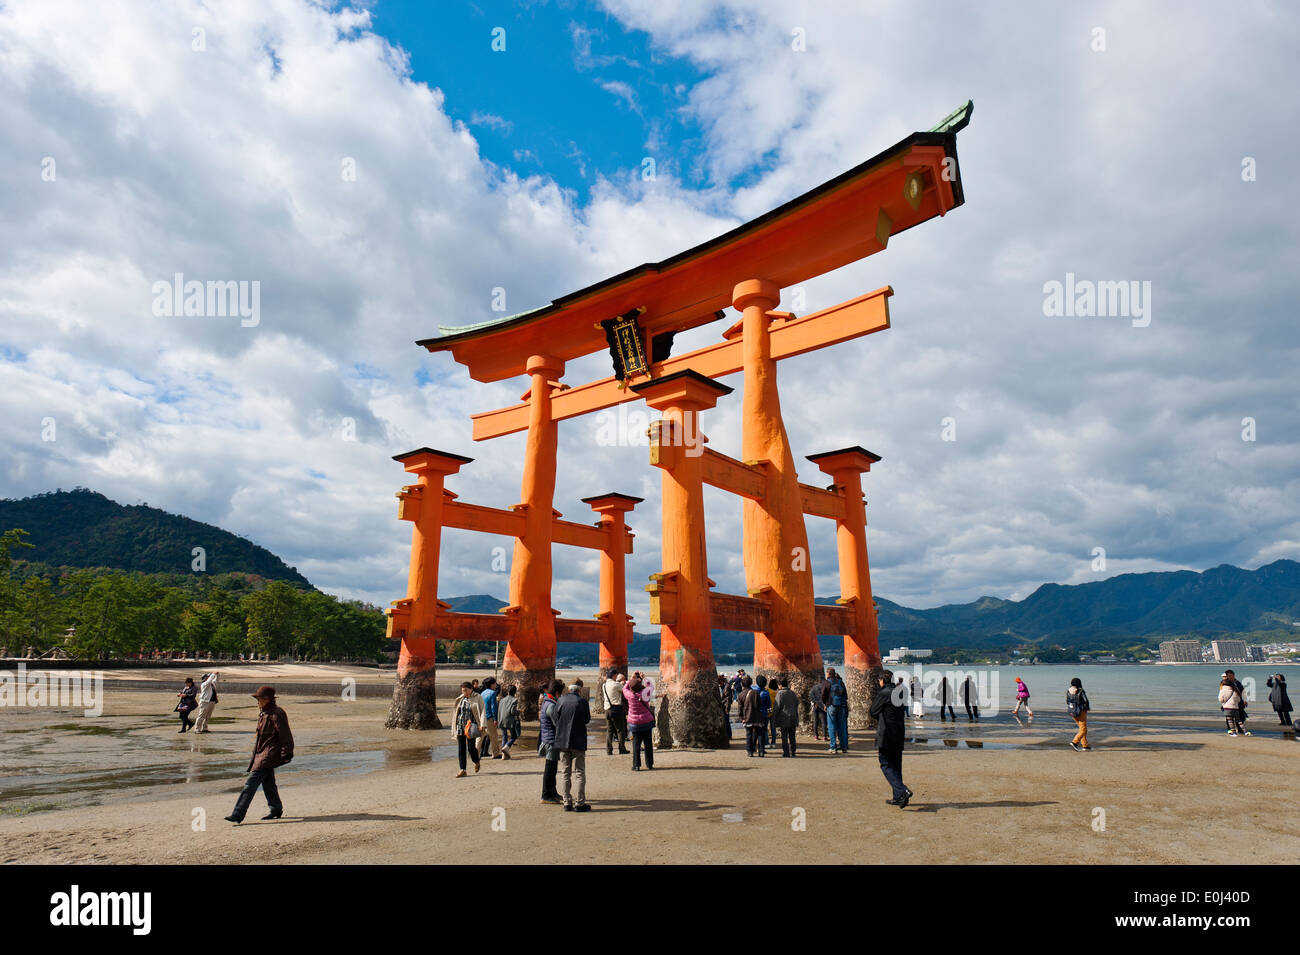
pixel 530 656
pixel 861 649
pixel 688 674
pixel 613 586
pixel 775 538
pixel 413 620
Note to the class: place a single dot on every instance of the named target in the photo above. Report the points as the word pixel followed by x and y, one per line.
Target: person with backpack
pixel 207 701
pixel 888 710
pixel 1022 698
pixel 1277 696
pixel 546 742
pixel 1077 705
pixel 752 715
pixel 468 726
pixel 837 713
pixel 508 714
pixel 1230 703
pixel 272 747
pixel 640 721
pixel 786 716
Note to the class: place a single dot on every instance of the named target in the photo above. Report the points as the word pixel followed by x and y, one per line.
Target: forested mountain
pixel 82 528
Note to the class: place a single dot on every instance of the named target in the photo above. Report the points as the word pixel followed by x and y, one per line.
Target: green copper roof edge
pixel 956 120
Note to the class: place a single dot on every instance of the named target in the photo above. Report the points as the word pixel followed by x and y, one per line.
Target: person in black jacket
pixel 970 696
pixel 1277 695
pixel 571 719
pixel 945 699
pixel 888 711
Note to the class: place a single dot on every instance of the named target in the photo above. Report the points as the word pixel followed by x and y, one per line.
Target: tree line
pixel 118 614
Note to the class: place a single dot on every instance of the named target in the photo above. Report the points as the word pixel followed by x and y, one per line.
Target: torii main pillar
pixel 530 655
pixel 861 650
pixel 612 509
pixel 687 671
pixel 775 548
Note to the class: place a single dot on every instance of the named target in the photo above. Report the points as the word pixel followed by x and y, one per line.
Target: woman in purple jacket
pixel 640 720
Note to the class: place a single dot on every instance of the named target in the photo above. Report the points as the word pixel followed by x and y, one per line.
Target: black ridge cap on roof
pixel 875 458
pixel 446 454
pixel 948 140
pixel 619 494
pixel 686 374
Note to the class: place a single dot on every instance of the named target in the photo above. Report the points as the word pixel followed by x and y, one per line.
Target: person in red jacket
pixel 272 747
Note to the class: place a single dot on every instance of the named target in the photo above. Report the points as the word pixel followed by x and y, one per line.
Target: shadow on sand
pixel 996 804
pixel 348 817
pixel 656 805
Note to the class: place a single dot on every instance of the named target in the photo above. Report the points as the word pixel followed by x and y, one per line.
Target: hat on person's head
pixel 264 693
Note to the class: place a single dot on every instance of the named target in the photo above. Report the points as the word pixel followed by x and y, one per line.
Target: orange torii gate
pixel 635 315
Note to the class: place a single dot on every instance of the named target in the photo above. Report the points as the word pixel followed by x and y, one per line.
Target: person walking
pixel 888 710
pixel 1077 705
pixel 970 697
pixel 787 716
pixel 945 699
pixel 1022 698
pixel 1277 696
pixel 491 735
pixel 187 703
pixel 572 716
pixel 508 715
pixel 640 722
pixel 1230 703
pixel 468 727
pixel 272 747
pixel 615 713
pixel 207 701
pixel 837 712
pixel 751 714
pixel 817 697
pixel 546 741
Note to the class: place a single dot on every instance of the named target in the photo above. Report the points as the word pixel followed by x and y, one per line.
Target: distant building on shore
pixel 1230 651
pixel 1180 651
pixel 896 655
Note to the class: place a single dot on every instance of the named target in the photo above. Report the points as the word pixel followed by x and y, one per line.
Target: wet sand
pixel 127 788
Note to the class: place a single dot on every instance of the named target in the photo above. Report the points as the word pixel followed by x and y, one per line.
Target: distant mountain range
pixel 81 528
pixel 1121 609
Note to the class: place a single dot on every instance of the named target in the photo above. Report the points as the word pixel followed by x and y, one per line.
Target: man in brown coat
pixel 273 747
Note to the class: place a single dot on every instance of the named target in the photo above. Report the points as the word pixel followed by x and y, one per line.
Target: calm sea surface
pixel 1129 688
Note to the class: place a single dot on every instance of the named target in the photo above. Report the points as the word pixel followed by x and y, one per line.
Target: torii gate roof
pixel 840 221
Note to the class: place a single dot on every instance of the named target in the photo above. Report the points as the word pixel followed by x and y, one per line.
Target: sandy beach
pixel 127 788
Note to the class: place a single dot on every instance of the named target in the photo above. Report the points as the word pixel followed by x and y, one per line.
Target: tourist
pixel 491 736
pixel 970 697
pixel 468 726
pixel 837 713
pixel 1077 705
pixel 508 715
pixel 188 701
pixel 917 694
pixel 546 741
pixel 786 717
pixel 887 708
pixel 572 716
pixel 945 699
pixel 737 688
pixel 771 712
pixel 207 701
pixel 751 714
pixel 272 747
pixel 1277 695
pixel 1231 677
pixel 724 700
pixel 1230 703
pixel 640 721
pixel 818 696
pixel 1022 698
pixel 615 713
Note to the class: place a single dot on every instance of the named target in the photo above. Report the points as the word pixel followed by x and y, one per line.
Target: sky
pixel 379 169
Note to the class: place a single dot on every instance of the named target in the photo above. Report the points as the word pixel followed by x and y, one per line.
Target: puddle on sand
pixel 733 817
